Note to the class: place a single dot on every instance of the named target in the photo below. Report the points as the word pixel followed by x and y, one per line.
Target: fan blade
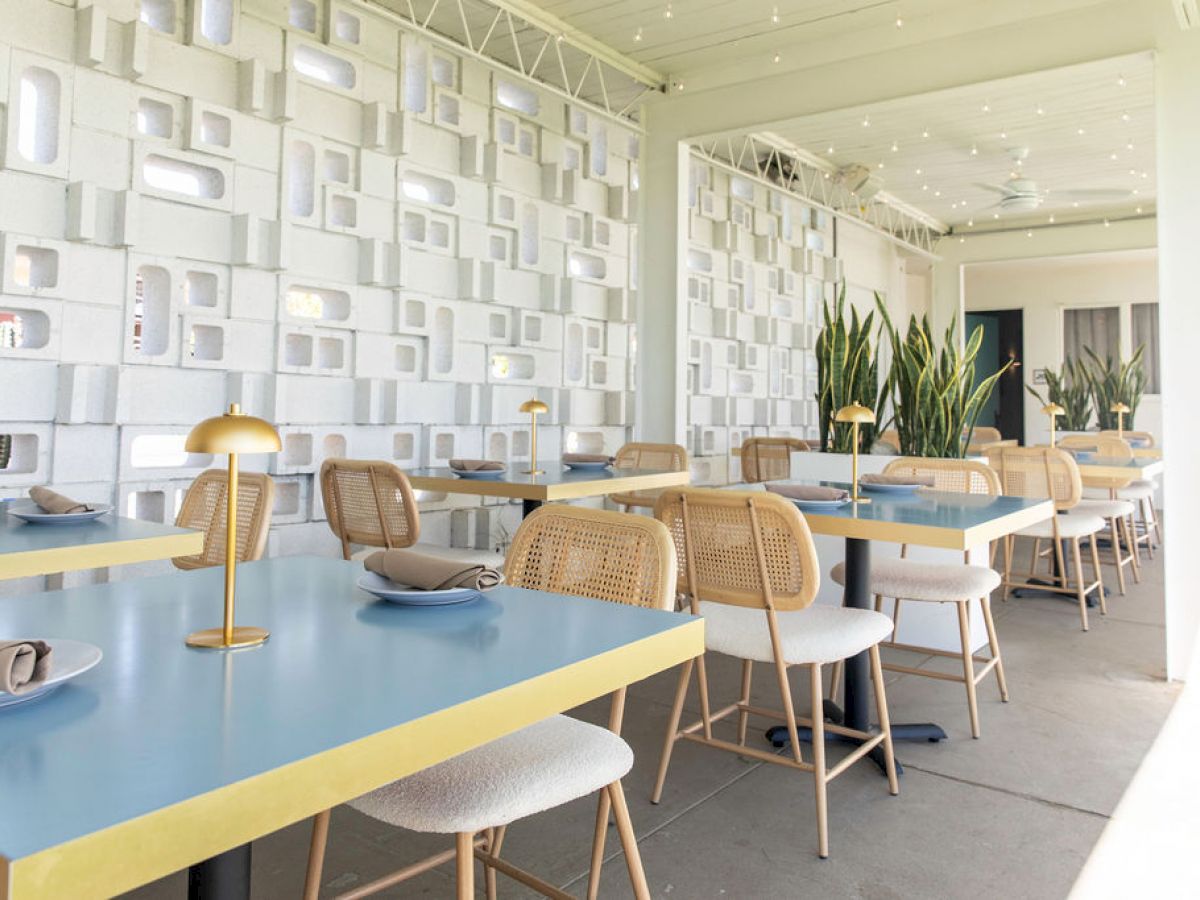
pixel 994 188
pixel 1097 194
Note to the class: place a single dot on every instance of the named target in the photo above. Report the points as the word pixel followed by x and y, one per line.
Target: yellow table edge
pixel 928 535
pixel 133 853
pixel 25 563
pixel 548 492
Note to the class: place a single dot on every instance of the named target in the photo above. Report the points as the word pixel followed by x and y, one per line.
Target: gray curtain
pixel 1096 327
pixel 1145 331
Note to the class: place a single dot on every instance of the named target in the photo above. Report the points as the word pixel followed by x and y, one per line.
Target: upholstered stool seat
pixel 537 768
pixel 1070 525
pixel 936 582
pixel 1142 489
pixel 1104 508
pixel 816 634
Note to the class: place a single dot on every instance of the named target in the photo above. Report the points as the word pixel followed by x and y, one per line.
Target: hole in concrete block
pixel 324 67
pixel 506 208
pixel 498 248
pixel 301 178
pixel 335 166
pixel 585 265
pixel 498 326
pixel 287 498
pixel 513 365
pixel 347 27
pixel 164 451
pixel 439 234
pixel 207 342
pixel 525 142
pixel 333 447
pixel 532 328
pixel 149 506
pixel 297 449
pixel 441 341
pixel 416 76
pixel 318 303
pixel 343 211
pixel 200 289
pixel 633 147
pixel 216 129
pixel 331 353
pixel 600 234
pixel 447 109
pixel 216 20
pixel 699 261
pixel 414 227
pixel 741 188
pixel 599 371
pixel 152 310
pixel 179 177
pixel 506 131
pixel 298 350
pixel 585 442
pixel 302 14
pixel 573 352
pixel 155 119
pixel 443 445
pixel 427 189
pixel 159 15
pixel 498 446
pixel 22 454
pixel 530 234
pixel 740 383
pixel 599 152
pixel 577 121
pixel 402 445
pixel 37 115
pixel 414 313
pixel 520 443
pixel 571 157
pixel 35 267
pixel 593 337
pixel 23 329
pixel 406 358
pixel 517 97
pixel 444 71
pixel 574 228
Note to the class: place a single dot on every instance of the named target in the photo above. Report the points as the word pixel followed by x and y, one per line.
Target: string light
pixel 970 223
pixel 1004 135
pixel 829 150
pixel 1051 219
pixel 895 146
pixel 899 21
pixel 776 57
pixel 880 165
pixel 774 15
pixel 1029 233
pixel 987 107
pixel 1121 81
pixel 925 133
pixel 1113 157
pixel 668 13
pixel 1080 131
pixel 1124 117
pixel 866 121
pixel 637 36
pixel 1040 110
pixel 974 150
pixel 1129 146
pixel 918 171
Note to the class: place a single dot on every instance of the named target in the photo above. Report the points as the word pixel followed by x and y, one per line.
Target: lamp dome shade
pixel 1053 409
pixel 1118 407
pixel 534 406
pixel 233 432
pixel 855 412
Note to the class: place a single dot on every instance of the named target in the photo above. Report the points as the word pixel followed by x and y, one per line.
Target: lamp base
pixel 860 500
pixel 534 472
pixel 214 638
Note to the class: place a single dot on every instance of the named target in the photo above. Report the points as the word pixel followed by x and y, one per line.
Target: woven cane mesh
pixel 1144 437
pixel 986 434
pixel 724 540
pixel 369 502
pixel 640 455
pixel 769 458
pixel 204 508
pixel 594 553
pixel 1038 472
pixel 961 476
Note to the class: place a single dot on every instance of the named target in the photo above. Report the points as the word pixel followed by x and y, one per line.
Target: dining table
pixel 44 549
pixel 923 517
pixel 164 756
pixel 1115 473
pixel 555 482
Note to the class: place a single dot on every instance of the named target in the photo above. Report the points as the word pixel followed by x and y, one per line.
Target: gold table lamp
pixel 1053 410
pixel 534 407
pixel 233 433
pixel 1120 409
pixel 856 414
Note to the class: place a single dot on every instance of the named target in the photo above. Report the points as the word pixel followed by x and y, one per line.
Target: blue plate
pixel 70 658
pixel 408 596
pixel 1084 456
pixel 890 488
pixel 817 505
pixel 587 466
pixel 486 475
pixel 29 512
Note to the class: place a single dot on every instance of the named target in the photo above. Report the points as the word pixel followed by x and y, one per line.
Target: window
pixel 1095 327
pixel 1145 332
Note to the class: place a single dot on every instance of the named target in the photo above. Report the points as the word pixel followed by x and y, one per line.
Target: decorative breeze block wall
pixel 374 242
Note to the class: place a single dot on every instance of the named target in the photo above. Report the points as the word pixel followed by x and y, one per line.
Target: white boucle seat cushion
pixel 818 634
pixel 537 768
pixel 936 582
pixel 1104 508
pixel 1069 526
pixel 1135 490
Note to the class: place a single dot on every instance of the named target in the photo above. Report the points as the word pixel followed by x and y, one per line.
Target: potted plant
pixel 1071 389
pixel 1115 382
pixel 847 372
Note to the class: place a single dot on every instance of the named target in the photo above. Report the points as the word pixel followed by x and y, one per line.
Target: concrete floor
pixel 1012 814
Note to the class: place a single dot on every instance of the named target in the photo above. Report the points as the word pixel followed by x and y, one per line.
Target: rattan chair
pixel 1139 492
pixel 601 554
pixel 639 455
pixel 1050 473
pixel 750 568
pixel 370 502
pixel 1110 506
pixel 769 458
pixel 986 434
pixel 905 579
pixel 204 508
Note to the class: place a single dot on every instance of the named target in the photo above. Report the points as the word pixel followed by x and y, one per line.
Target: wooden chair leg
pixel 1059 558
pixel 885 722
pixel 994 645
pixel 685 675
pixel 494 846
pixel 598 839
pixel 1145 519
pixel 1116 552
pixel 702 686
pixel 1083 614
pixel 743 716
pixel 464 845
pixel 964 632
pixel 316 855
pixel 633 858
pixel 820 780
pixel 1131 541
pixel 1099 579
pixel 1009 541
pixel 1034 555
pixel 835 678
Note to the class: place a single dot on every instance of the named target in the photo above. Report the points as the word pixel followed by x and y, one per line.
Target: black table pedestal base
pixel 528 506
pixel 224 877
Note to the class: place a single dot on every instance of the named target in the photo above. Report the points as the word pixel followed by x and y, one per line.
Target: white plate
pixel 815 505
pixel 70 658
pixel 407 596
pixel 890 488
pixel 485 475
pixel 587 466
pixel 28 511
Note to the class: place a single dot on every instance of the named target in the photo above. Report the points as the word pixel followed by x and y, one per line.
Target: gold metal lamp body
pixel 856 414
pixel 233 433
pixel 534 407
pixel 1120 409
pixel 1053 410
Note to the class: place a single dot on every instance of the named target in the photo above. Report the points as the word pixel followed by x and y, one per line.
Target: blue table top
pixel 557 482
pixel 157 723
pixel 17 536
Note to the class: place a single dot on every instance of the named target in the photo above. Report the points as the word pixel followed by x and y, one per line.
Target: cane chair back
pixel 368 502
pixel 205 508
pixel 594 553
pixel 961 476
pixel 1078 441
pixel 769 458
pixel 1143 437
pixel 891 437
pixel 641 455
pixel 1113 447
pixel 986 434
pixel 744 548
pixel 1038 472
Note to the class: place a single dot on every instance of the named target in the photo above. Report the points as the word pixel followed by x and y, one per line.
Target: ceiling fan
pixel 1021 194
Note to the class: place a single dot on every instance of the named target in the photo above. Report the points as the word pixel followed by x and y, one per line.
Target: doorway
pixel 1003 340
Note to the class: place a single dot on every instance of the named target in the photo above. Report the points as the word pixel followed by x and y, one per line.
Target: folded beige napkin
pixel 430 573
pixel 588 458
pixel 808 492
pixel 882 478
pixel 23 665
pixel 476 465
pixel 53 502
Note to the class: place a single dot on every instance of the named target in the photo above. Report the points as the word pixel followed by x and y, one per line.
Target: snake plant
pixel 1116 381
pixel 935 400
pixel 1071 389
pixel 847 372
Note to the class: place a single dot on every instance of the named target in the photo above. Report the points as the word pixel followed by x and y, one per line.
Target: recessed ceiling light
pixel 974 150
pixel 899 21
pixel 637 35
pixel 880 165
pixel 895 146
pixel 962 240
pixel 924 187
pixel 866 121
pixel 925 133
pixel 1080 131
pixel 1129 146
pixel 1121 81
pixel 937 193
pixel 1133 171
pixel 1004 135
pixel 1041 111
pixel 829 150
pixel 1138 210
pixel 1112 156
pixel 986 107
pixel 774 15
pixel 1052 220
pixel 679 85
pixel 918 171
pixel 1029 233
pixel 668 13
pixel 1125 117
pixel 1076 204
pixel 776 57
pixel 995 215
pixel 970 223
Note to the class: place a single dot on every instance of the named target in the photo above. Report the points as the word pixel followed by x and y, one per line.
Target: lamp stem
pixel 1121 425
pixel 1052 429
pixel 854 463
pixel 533 442
pixel 230 547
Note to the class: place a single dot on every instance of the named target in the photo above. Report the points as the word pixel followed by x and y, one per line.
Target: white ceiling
pixel 1085 127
